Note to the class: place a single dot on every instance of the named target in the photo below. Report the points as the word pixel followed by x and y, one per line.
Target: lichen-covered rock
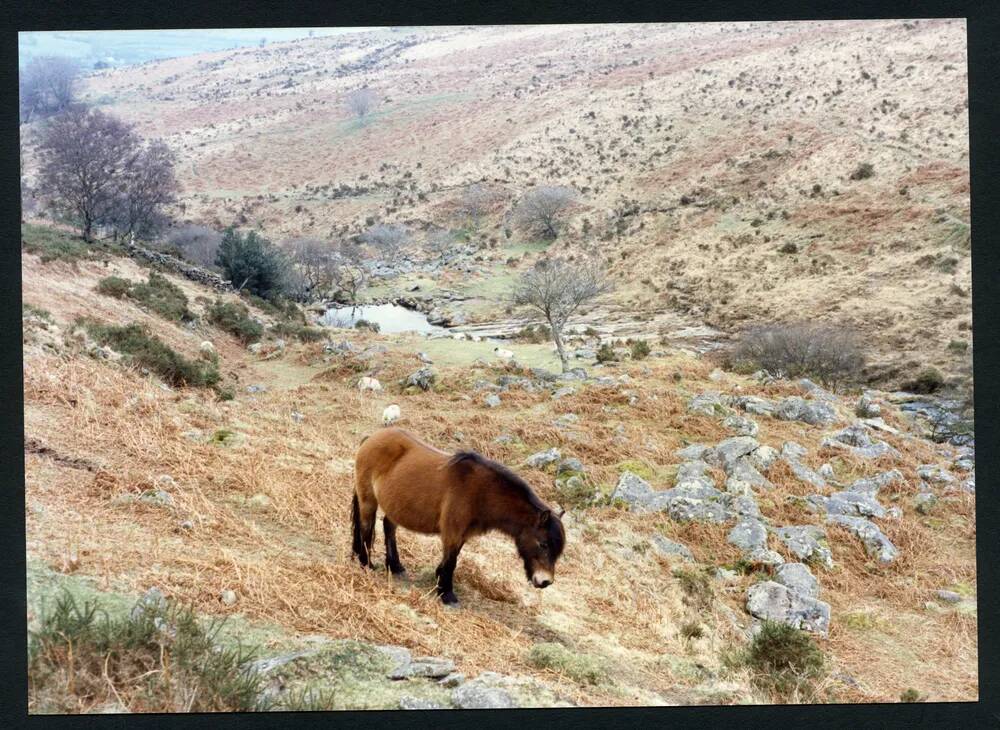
pixel 741 425
pixel 815 413
pixel 934 474
pixel 876 544
pixel 924 502
pixel 693 452
pixel 731 449
pixel 853 503
pixel 753 404
pixel 797 577
pixel 871 485
pixel 633 490
pixel 867 407
pixel 773 601
pixel 424 378
pixel 709 403
pixel 748 535
pixel 807 542
pixel 543 458
pixel 669 548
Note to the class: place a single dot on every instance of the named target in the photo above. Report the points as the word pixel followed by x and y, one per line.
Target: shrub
pixel 114 286
pixel 830 354
pixel 583 668
pixel 692 630
pixel 146 350
pixel 252 263
pixel 234 318
pixel 52 245
pixel 863 171
pixel 364 324
pixel 159 658
pixel 784 659
pixel 697 586
pixel 536 334
pixel 928 380
pixel 159 294
pixel 640 350
pixel 911 695
pixel 606 353
pixel 298 331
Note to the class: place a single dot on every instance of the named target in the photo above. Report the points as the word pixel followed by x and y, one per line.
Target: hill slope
pixel 734 147
pixel 136 484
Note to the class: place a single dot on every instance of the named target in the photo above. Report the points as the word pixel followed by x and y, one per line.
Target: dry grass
pixel 110 433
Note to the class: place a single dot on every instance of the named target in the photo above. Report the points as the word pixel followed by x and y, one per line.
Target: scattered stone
pixel 505 439
pixel 152 600
pixel 852 503
pixel 631 488
pixel 187 525
pixel 773 601
pixel 424 378
pixel 807 542
pixel 298 417
pixel 753 404
pixel 408 702
pixel 934 474
pixel 425 358
pixel 871 485
pixel 669 548
pixel 228 597
pixel 924 502
pixel 854 435
pixel 562 392
pixel 259 501
pixel 867 407
pixel 748 535
pixel 482 693
pixel 157 497
pixel 826 471
pixel 452 680
pixel 741 425
pixel 948 596
pixel 763 456
pixel 492 400
pixel 876 544
pixel 256 389
pixel 569 465
pixel 798 578
pixel 731 449
pixel 430 667
pixel 709 403
pixel 543 458
pixel 815 413
pixel 693 452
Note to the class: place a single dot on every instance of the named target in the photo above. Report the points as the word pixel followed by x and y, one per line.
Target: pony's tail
pixel 359 546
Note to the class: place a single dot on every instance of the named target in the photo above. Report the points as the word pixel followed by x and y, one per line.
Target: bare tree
pixel 830 353
pixel 47 86
pixel 478 200
pixel 316 261
pixel 541 210
pixel 386 238
pixel 557 289
pixel 83 153
pixel 350 279
pixel 360 102
pixel 147 186
pixel 198 244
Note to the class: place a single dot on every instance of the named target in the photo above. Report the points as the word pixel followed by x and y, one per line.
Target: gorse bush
pixel 364 324
pixel 158 294
pixel 146 350
pixel 252 262
pixel 832 355
pixel 234 318
pixel 640 350
pixel 535 334
pixel 785 660
pixel 606 353
pixel 159 658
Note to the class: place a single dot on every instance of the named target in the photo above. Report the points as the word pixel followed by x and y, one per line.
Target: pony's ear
pixel 543 517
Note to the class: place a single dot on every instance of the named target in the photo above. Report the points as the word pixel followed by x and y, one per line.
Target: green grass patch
pixel 582 668
pixel 235 319
pixel 157 293
pixel 52 244
pixel 157 658
pixel 301 332
pixel 146 350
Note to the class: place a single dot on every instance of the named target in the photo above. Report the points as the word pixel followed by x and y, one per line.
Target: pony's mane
pixel 508 477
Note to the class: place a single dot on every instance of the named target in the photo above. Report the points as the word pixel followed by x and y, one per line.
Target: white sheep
pixel 371 384
pixel 458 336
pixel 503 354
pixel 207 350
pixel 390 414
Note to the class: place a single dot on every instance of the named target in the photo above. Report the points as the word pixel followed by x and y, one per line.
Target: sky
pixel 122 47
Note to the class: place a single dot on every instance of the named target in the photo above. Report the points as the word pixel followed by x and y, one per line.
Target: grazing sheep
pixel 458 336
pixel 390 414
pixel 503 354
pixel 371 384
pixel 206 350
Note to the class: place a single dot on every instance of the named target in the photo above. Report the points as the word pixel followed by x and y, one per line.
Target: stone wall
pixel 177 266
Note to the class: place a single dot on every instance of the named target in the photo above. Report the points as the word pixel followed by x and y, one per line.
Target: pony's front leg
pixel 446 572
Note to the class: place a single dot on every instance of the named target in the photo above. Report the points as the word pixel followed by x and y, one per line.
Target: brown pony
pixel 457 496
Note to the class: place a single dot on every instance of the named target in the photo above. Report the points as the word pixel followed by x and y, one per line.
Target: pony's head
pixel 540 544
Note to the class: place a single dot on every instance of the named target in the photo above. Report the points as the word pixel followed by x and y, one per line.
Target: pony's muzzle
pixel 541 579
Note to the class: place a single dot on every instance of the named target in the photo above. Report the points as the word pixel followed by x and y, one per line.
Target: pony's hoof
pixel 398 570
pixel 449 598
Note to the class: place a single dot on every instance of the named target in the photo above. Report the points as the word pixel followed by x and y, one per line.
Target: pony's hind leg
pixel 391 551
pixel 363 519
pixel 446 572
